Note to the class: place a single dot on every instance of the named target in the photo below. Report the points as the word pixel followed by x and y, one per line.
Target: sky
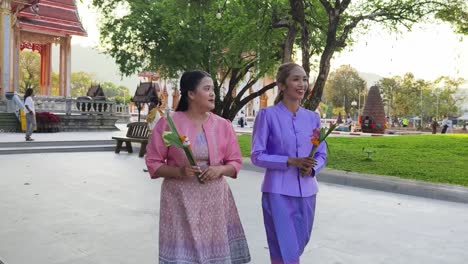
pixel 428 51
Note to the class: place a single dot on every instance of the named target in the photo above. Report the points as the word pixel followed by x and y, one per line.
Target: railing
pixel 71 106
pixel 14 104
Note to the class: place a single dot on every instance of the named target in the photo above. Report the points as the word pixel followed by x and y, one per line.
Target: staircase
pixel 56 146
pixel 9 123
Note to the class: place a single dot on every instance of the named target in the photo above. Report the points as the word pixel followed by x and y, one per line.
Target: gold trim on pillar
pixel 38 38
pixel 16 57
pixel 5 6
pixel 5 46
pixel 65 67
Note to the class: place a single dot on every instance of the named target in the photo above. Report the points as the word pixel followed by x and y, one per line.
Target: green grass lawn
pixel 435 158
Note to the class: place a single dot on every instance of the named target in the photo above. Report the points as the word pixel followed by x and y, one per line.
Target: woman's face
pixel 296 84
pixel 203 97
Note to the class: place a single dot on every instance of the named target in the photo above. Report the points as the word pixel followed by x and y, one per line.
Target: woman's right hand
pixel 190 171
pixel 304 164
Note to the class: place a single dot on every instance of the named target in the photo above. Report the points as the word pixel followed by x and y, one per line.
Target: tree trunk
pixel 298 15
pixel 238 103
pixel 305 49
pixel 229 110
pixel 289 43
pixel 313 101
pixel 232 101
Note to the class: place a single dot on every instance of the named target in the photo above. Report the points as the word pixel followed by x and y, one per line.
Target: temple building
pixel 36 25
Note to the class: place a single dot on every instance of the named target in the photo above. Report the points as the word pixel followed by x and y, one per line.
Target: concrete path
pixel 65 136
pixel 63 142
pixel 89 208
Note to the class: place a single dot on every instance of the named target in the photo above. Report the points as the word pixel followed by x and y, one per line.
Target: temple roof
pixel 56 17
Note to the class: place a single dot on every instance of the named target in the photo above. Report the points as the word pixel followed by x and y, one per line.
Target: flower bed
pixel 47 122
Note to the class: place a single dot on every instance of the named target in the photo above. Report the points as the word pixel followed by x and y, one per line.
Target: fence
pixel 72 106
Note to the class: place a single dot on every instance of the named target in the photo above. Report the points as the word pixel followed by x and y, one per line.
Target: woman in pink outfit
pixel 199 222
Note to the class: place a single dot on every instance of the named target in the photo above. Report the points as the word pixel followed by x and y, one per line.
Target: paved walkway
pixel 65 136
pixel 90 208
pixel 391 184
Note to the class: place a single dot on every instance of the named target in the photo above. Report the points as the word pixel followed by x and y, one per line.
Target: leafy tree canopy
pixel 29 70
pixel 407 96
pixel 343 87
pixel 175 36
pixel 457 14
pixel 251 37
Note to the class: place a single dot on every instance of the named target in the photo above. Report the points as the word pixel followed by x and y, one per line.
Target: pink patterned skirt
pixel 199 223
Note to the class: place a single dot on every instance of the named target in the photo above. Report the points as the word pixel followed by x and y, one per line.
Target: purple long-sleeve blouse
pixel 279 134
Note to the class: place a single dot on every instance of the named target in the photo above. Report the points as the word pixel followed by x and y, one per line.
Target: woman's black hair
pixel 189 82
pixel 28 93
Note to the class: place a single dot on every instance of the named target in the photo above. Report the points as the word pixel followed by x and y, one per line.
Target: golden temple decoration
pixel 38 38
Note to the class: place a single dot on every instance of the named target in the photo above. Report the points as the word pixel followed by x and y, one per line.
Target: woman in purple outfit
pixel 281 144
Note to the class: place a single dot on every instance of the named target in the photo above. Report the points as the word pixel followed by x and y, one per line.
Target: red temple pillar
pixel 46 58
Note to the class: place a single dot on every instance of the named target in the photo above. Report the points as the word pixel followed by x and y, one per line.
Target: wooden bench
pixel 136 132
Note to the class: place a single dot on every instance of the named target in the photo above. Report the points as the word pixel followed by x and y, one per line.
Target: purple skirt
pixel 288 224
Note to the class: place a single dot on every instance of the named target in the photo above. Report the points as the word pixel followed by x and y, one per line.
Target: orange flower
pixel 182 138
pixel 315 141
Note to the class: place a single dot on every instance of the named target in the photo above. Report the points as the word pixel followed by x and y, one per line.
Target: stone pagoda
pixel 373 116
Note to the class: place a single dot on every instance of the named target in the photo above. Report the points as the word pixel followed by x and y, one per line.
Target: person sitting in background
pixel 155 113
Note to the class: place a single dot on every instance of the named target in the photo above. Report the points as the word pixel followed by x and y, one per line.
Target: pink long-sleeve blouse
pixel 223 147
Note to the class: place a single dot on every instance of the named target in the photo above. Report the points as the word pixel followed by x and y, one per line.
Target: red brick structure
pixel 373 116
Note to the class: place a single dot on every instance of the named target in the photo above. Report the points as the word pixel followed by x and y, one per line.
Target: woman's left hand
pixel 211 173
pixel 305 172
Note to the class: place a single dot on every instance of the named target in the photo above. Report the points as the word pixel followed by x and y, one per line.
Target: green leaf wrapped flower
pixel 173 138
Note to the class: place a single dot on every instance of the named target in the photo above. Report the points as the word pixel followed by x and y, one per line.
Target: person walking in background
pixel 242 118
pixel 349 122
pixel 445 124
pixel 404 122
pixel 281 143
pixel 30 113
pixel 434 126
pixel 199 222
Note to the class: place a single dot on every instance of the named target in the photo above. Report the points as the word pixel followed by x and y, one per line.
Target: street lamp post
pixel 421 107
pixel 359 101
pixel 344 103
pixel 438 89
pixel 354 104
